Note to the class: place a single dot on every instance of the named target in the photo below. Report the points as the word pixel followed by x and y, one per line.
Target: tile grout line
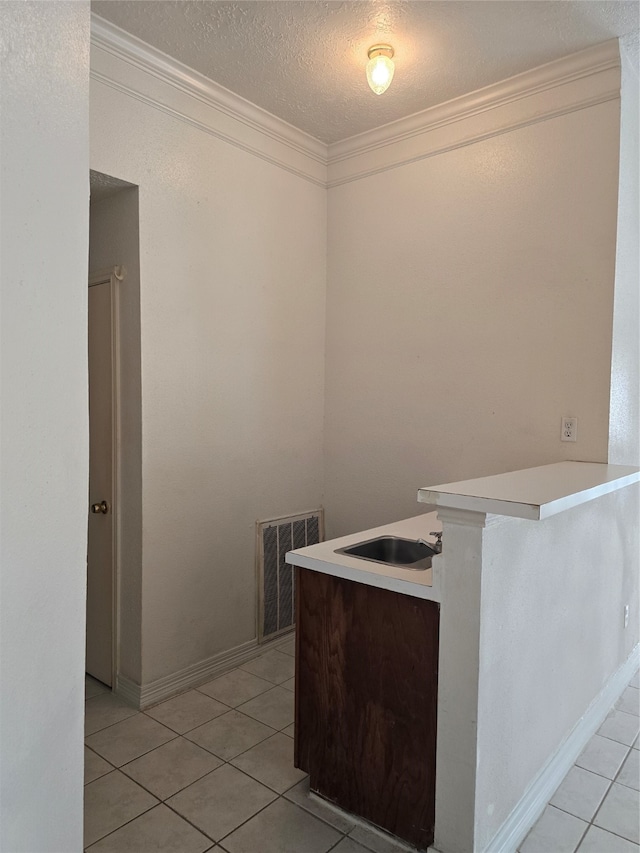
pixel 278 797
pixel 110 725
pixel 97 754
pixel 612 739
pixel 165 802
pixel 218 716
pixel 560 809
pixel 126 823
pixel 619 771
pixel 281 795
pixel 183 734
pixel 142 754
pixel 186 819
pixel 610 831
pixel 610 785
pixel 613 782
pixel 601 775
pixel 226 761
pixel 162 802
pixel 178 735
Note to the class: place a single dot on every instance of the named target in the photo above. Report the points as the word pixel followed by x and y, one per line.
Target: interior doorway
pixel 114 509
pixel 102 533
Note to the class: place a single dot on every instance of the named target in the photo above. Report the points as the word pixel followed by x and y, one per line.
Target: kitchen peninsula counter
pixel 408 683
pixel 420 584
pixel 533 493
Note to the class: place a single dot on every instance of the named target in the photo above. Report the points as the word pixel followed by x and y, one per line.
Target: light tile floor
pixel 596 809
pixel 212 769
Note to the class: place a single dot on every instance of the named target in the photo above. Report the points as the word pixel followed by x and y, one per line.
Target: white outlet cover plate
pixel 569 430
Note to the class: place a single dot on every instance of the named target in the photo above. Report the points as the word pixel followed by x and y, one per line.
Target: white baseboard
pixel 127 690
pixel 543 787
pixel 142 696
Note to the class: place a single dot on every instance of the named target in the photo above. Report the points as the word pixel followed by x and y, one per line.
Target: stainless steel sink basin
pixel 392 551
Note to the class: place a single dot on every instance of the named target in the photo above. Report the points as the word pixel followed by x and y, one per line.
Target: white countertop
pixel 323 558
pixel 533 493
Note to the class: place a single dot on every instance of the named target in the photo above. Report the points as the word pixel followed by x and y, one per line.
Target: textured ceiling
pixel 304 61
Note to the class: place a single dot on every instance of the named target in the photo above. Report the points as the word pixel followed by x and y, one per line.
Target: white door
pixel 100 545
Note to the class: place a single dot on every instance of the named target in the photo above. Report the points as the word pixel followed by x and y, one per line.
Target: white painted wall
pixel 233 273
pixel 552 612
pixel 232 289
pixel 624 436
pixel 469 307
pixel 114 241
pixel 45 199
pixel 532 629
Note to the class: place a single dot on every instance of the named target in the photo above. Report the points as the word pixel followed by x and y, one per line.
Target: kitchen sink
pixel 392 551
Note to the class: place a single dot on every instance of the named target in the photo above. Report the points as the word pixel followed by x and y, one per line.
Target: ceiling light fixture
pixel 380 67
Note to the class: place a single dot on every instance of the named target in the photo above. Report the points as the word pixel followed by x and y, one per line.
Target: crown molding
pixel 580 80
pixel 129 65
pixel 575 66
pixel 199 101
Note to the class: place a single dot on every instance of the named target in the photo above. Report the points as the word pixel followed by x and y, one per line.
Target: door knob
pixel 102 507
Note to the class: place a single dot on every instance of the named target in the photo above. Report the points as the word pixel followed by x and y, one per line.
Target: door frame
pixel 113 276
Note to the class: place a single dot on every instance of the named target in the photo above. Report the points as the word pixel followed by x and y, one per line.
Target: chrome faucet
pixel 437 545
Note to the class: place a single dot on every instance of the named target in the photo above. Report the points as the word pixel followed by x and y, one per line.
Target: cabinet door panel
pixel 366 701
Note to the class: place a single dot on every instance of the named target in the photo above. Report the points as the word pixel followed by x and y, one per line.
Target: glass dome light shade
pixel 380 69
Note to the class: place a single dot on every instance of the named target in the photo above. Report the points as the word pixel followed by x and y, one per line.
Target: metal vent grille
pixel 276 585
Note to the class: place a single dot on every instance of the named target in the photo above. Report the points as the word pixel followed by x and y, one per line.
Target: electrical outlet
pixel 626 615
pixel 569 429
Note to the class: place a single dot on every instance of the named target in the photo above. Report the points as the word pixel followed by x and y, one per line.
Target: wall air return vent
pixel 276 586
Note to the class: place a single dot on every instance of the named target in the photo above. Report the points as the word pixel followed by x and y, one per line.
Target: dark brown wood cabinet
pixel 366 701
